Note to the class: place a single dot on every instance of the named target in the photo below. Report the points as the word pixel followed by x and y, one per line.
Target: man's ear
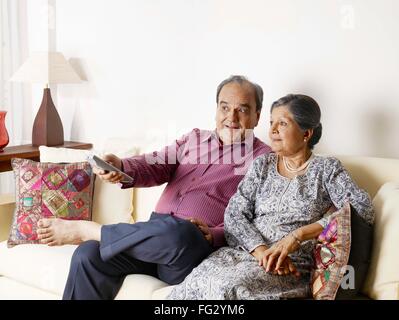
pixel 257 117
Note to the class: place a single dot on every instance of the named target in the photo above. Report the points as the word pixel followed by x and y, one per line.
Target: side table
pixel 28 151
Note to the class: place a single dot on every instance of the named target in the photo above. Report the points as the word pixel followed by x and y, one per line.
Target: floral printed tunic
pixel 265 208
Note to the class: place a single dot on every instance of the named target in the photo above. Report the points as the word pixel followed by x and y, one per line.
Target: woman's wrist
pixel 300 234
pixel 258 251
pixel 297 237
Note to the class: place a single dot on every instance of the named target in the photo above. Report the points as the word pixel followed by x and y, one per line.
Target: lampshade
pixel 46 68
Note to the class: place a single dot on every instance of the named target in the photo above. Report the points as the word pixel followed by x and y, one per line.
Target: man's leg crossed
pixel 176 245
pixel 90 278
pixel 164 246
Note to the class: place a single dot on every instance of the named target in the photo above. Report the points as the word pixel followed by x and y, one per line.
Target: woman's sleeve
pixel 341 189
pixel 238 227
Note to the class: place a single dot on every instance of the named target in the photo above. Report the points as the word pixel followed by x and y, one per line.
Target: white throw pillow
pixel 147 198
pixel 382 280
pixel 110 203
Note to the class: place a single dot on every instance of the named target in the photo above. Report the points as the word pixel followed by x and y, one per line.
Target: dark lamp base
pixel 47 127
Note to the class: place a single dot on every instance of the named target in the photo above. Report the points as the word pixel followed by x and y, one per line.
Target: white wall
pixel 153 66
pixel 41 37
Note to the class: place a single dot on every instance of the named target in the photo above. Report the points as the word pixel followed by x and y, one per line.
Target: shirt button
pixel 193 179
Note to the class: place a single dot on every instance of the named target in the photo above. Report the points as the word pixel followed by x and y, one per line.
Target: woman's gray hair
pixel 306 113
pixel 241 79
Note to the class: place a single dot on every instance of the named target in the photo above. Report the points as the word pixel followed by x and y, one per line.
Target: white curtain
pixel 13 51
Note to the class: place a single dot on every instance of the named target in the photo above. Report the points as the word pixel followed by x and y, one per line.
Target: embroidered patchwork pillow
pixel 331 255
pixel 47 190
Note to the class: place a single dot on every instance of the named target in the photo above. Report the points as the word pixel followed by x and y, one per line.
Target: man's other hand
pixel 204 229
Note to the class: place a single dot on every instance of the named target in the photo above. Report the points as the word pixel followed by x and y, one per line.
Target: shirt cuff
pixel 124 185
pixel 126 168
pixel 218 236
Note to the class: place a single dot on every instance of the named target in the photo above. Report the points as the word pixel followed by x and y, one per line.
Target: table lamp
pixel 46 68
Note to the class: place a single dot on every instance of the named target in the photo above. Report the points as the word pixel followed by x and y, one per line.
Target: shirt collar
pixel 248 142
pixel 208 135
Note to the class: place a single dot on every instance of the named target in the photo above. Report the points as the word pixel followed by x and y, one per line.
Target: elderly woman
pixel 281 203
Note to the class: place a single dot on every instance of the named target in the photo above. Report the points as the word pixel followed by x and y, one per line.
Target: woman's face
pixel 285 135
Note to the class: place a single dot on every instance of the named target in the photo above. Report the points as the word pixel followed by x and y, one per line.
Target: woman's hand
pixel 258 252
pixel 276 257
pixel 286 268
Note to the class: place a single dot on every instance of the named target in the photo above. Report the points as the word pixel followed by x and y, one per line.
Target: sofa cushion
pixel 48 271
pixel 139 287
pixel 111 204
pixel 47 190
pixel 161 294
pixel 14 290
pixel 382 281
pixel 37 265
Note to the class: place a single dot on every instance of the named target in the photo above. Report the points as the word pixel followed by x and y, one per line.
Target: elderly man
pixel 202 170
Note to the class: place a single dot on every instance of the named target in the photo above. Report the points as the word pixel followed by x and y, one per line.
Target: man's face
pixel 236 112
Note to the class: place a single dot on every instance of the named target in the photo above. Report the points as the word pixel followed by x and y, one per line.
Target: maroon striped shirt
pixel 202 174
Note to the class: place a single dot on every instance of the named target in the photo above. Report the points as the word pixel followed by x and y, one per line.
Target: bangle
pixel 296 238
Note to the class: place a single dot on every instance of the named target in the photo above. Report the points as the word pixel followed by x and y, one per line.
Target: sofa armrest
pixel 7 205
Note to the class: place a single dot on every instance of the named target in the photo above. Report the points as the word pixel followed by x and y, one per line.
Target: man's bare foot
pixel 56 232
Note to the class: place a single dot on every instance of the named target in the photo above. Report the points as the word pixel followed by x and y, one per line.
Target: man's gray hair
pixel 241 79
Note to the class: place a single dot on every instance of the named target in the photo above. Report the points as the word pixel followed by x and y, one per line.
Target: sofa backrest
pixel 144 201
pixel 368 172
pixel 371 173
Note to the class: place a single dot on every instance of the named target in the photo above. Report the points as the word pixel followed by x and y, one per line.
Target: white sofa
pixel 40 272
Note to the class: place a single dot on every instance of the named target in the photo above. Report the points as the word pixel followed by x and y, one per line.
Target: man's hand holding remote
pixel 112 177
